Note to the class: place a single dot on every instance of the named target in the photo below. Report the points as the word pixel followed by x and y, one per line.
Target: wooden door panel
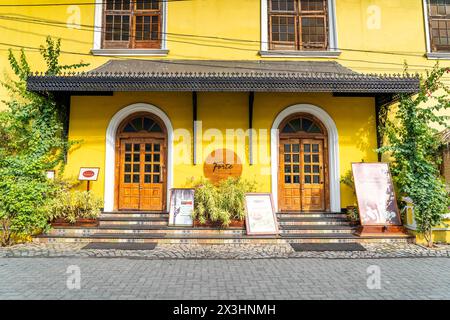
pixel 312 189
pixel 290 199
pixel 141 174
pixel 301 175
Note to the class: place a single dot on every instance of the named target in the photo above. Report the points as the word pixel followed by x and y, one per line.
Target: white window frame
pixel 98 50
pixel 431 55
pixel 333 51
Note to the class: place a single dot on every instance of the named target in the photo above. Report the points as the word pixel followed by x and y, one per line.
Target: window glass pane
pixel 156 179
pixel 307 147
pixel 156 147
pixel 296 169
pixel 287 158
pixel 295 147
pixel 316 169
pixel 137 147
pixel 148 168
pixel 127 178
pixel 148 147
pixel 136 157
pixel 295 158
pixel 287 148
pixel 148 158
pixel 128 147
pixel 308 179
pixel 147 178
pixel 127 167
pixel 287 179
pixel 316 179
pixel 156 158
pixel 307 158
pixel 315 158
pixel 156 168
pixel 287 169
pixel 135 178
pixel 315 147
pixel 136 168
pixel 128 157
pixel 307 169
pixel 296 179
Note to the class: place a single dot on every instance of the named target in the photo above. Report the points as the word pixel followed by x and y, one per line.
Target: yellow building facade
pixel 342 41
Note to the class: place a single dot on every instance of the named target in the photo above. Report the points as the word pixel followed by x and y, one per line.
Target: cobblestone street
pixel 226 251
pixel 121 278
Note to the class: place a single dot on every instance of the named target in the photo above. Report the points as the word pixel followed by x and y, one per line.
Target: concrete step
pixel 202 238
pixel 311 215
pixel 333 229
pixel 134 214
pixel 160 221
pixel 142 229
pixel 282 221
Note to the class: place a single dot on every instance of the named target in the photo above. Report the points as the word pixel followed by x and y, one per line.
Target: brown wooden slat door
pixel 141 182
pixel 301 181
pixel 290 175
pixel 312 184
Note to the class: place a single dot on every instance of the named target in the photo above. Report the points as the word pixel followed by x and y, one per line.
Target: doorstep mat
pixel 121 246
pixel 327 247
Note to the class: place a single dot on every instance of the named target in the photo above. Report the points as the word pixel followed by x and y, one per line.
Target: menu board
pixel 377 204
pixel 260 217
pixel 181 207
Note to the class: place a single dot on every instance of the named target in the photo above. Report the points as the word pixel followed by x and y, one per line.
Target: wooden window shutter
pixel 298 24
pixel 130 24
pixel 439 25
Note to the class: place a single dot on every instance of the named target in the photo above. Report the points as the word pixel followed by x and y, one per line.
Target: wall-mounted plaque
pixel 260 214
pixel 375 193
pixel 221 164
pixel 88 174
pixel 181 207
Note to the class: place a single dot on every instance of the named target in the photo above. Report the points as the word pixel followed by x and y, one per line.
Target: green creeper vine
pixel 414 147
pixel 32 141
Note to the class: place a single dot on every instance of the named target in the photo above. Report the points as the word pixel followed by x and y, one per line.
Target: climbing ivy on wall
pixel 414 145
pixel 32 141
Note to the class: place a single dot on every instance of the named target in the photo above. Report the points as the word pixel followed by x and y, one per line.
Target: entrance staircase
pixel 145 227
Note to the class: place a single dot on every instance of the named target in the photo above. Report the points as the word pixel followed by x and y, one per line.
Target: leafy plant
pixel 221 203
pixel 74 205
pixel 32 141
pixel 413 145
pixel 348 180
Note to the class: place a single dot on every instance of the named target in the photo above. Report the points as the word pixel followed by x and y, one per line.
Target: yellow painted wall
pixel 374 35
pixel 90 117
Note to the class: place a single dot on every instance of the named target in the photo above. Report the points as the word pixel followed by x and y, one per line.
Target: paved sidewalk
pixel 45 278
pixel 230 251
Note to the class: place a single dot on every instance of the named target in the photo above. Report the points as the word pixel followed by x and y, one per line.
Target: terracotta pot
pixel 218 225
pixel 79 223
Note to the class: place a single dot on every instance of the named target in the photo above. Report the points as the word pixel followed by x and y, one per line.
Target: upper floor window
pixel 439 25
pixel 298 25
pixel 132 24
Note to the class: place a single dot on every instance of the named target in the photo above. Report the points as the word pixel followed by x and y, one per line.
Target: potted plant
pixel 221 205
pixel 351 210
pixel 74 208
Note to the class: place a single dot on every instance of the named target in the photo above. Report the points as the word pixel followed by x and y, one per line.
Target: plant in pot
pixel 74 207
pixel 352 210
pixel 221 205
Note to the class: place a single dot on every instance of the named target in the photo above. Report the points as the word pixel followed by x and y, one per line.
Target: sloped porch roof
pixel 223 76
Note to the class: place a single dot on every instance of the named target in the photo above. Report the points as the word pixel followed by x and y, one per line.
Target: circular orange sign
pixel 221 164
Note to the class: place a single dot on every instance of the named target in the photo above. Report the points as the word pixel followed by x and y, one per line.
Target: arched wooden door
pixel 141 157
pixel 303 166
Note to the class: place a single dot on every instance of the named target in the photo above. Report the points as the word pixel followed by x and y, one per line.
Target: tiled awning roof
pixel 222 76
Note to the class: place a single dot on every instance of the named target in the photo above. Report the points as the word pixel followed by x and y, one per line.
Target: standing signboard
pixel 375 193
pixel 88 174
pixel 260 214
pixel 181 207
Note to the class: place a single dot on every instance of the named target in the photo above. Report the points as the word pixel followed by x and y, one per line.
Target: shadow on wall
pixel 363 135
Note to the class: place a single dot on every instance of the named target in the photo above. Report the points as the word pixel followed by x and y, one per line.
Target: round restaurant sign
pixel 88 174
pixel 221 164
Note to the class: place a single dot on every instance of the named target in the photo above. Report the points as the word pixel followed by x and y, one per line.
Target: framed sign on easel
pixel 377 203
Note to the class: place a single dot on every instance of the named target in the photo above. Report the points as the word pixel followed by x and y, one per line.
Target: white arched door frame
pixel 333 151
pixel 110 156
